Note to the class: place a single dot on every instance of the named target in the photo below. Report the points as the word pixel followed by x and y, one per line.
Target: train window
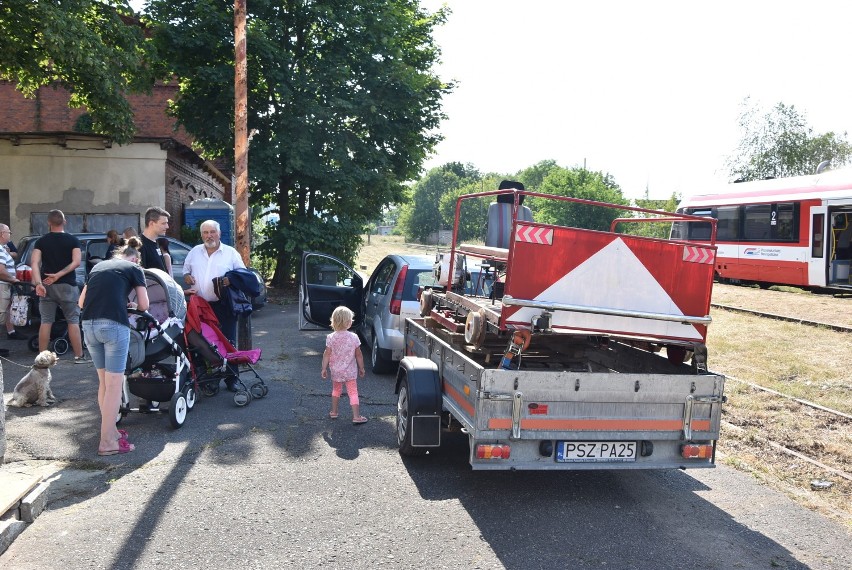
pixel 817 235
pixel 784 222
pixel 699 230
pixel 728 227
pixel 758 220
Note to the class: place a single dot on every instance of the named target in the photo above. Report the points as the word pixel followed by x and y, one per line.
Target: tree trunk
pixel 282 277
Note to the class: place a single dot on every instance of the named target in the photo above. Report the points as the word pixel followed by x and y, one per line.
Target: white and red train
pixel 785 231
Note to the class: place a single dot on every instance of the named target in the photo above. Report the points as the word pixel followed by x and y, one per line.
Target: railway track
pixel 837 328
pixel 838 416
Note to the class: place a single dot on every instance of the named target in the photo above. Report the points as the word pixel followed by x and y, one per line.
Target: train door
pixel 817 262
pixel 839 243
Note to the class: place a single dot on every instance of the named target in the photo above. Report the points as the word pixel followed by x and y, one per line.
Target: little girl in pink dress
pixel 343 358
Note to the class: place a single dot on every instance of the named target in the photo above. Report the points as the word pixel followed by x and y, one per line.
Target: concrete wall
pixel 79 175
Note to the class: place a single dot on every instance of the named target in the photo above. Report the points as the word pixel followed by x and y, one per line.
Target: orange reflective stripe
pixel 459 399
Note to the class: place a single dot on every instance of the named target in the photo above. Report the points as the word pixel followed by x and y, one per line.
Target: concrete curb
pixel 22 514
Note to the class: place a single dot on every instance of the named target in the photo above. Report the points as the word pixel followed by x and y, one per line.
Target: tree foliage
pixel 474 211
pixel 780 143
pixel 342 102
pixel 422 214
pixel 533 176
pixel 651 229
pixel 91 48
pixel 583 184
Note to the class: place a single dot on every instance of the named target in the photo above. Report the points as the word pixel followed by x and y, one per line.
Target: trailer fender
pixel 424 385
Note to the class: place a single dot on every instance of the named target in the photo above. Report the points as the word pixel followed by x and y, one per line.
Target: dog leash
pixel 15 363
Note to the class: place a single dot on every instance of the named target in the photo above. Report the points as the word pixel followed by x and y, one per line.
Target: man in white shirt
pixel 204 263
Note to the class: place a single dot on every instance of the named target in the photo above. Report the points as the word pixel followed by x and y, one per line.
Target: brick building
pixel 48 161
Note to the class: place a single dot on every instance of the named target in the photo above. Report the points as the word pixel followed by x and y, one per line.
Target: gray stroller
pixel 158 369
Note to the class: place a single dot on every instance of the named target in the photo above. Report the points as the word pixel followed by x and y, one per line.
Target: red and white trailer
pixel 554 357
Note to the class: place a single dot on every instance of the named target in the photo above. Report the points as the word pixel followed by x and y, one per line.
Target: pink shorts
pixel 351 390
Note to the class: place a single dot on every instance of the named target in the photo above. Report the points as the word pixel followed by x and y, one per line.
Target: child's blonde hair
pixel 341 318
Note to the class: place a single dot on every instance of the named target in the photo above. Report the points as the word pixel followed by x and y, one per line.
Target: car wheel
pixel 381 365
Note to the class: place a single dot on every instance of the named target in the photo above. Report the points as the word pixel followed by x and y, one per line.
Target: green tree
pixel 533 176
pixel 474 211
pixel 651 229
pixel 94 49
pixel 423 214
pixel 583 184
pixel 342 101
pixel 780 143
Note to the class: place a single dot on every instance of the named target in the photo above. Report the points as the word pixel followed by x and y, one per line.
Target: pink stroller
pixel 214 359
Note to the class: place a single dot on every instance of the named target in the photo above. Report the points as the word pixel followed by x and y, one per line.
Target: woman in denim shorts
pixel 107 331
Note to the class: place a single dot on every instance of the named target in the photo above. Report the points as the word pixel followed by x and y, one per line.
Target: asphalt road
pixel 277 484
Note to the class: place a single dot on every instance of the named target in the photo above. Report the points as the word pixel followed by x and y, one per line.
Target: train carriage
pixel 788 231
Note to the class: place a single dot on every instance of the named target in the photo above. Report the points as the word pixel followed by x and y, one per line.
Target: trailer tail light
pixel 697 451
pixel 396 299
pixel 493 451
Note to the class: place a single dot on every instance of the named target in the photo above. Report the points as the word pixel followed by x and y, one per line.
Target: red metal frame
pixel 668 280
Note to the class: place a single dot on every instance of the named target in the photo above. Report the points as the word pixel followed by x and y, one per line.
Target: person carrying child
pixel 342 357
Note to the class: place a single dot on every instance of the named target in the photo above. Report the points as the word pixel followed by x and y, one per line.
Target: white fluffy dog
pixel 34 388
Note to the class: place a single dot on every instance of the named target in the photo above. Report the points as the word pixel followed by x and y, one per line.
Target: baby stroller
pixel 158 369
pixel 59 341
pixel 24 312
pixel 215 359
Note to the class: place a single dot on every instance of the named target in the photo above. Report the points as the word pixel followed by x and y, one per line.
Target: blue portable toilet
pixel 212 209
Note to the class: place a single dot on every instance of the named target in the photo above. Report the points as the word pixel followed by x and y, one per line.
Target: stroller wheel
pixel 265 389
pixel 122 408
pixel 60 346
pixel 191 397
pixel 242 397
pixel 209 389
pixel 32 343
pixel 256 391
pixel 178 410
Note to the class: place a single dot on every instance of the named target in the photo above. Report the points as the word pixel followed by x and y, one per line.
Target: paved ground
pixel 279 485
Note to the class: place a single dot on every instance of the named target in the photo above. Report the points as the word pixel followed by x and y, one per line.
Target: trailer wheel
pixel 403 422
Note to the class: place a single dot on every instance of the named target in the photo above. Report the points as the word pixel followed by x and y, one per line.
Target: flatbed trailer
pixel 590 403
pixel 575 348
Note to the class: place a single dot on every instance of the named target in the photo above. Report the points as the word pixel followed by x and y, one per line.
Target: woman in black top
pixel 107 332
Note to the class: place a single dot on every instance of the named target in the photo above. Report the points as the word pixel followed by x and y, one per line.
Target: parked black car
pixel 93 247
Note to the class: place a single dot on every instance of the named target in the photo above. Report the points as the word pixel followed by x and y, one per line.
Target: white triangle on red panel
pixel 612 278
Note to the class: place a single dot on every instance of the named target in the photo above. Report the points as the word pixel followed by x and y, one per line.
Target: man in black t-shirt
pixel 156 225
pixel 54 259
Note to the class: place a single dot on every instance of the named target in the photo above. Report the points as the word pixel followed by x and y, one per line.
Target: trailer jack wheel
pixel 474 328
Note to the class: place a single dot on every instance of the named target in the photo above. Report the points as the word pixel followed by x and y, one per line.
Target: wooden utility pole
pixel 241 153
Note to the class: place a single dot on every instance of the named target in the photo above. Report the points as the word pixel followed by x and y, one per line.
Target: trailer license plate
pixel 592 451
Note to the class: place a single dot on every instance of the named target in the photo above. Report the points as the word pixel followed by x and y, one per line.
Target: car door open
pixel 327 283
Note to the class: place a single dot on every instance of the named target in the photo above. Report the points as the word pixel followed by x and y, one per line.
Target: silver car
pixel 381 304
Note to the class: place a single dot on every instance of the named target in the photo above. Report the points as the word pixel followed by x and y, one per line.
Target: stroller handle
pixel 147 320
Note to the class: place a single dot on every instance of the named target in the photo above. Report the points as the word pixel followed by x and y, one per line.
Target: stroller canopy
pixel 165 296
